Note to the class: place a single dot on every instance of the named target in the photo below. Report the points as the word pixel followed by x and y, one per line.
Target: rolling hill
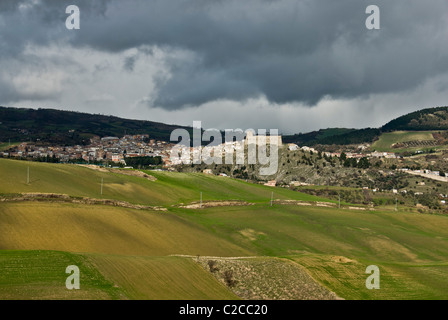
pixel 170 188
pixel 126 253
pixel 421 120
pixel 71 128
pixel 338 136
pixel 430 119
pixel 148 238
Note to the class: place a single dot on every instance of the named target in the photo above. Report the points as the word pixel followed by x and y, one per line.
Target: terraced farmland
pixel 400 141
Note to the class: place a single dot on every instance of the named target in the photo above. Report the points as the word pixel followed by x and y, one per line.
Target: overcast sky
pixel 292 65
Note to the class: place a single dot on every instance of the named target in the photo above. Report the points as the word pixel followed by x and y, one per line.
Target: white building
pixel 293 147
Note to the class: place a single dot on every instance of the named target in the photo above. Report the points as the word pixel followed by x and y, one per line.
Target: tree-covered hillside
pixel 426 119
pixel 70 128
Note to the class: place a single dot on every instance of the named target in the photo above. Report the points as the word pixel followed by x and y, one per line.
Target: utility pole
pixel 396 204
pixel 28 176
pixel 200 205
pixel 272 197
pixel 339 195
pixel 101 186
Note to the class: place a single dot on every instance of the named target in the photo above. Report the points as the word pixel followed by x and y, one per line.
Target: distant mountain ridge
pixel 340 136
pixel 71 127
pixel 421 120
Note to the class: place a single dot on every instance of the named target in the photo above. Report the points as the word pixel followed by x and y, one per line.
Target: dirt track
pixel 208 204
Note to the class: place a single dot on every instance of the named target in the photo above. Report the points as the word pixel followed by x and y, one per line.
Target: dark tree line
pixel 363 163
pixel 139 162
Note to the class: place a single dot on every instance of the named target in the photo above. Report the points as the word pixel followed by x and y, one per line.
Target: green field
pixel 289 230
pixel 145 254
pixel 102 229
pixel 169 188
pixel 41 275
pixel 386 140
pixel 161 278
pixel 397 280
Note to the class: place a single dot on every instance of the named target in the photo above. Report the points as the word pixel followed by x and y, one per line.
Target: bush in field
pixel 228 278
pixel 212 265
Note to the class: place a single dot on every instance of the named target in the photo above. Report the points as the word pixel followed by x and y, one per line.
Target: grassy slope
pixel 169 189
pixel 384 143
pixel 102 229
pixel 397 280
pixel 108 236
pixel 289 230
pixel 410 249
pixel 41 275
pixel 161 277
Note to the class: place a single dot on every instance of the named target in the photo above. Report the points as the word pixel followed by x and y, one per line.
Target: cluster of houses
pixel 115 149
pixel 421 172
pixel 111 149
pixel 186 155
pixel 375 154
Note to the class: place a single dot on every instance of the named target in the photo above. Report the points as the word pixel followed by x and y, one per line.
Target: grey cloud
pixel 192 85
pixel 39 22
pixel 285 50
pixel 129 63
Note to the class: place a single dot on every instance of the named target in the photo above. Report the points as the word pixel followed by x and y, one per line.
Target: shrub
pixel 228 278
pixel 212 264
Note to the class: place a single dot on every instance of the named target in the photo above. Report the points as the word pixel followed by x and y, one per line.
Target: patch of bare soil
pixel 265 278
pixel 292 202
pixel 356 208
pixel 209 204
pixel 325 204
pixel 54 197
pixel 251 234
pixel 305 203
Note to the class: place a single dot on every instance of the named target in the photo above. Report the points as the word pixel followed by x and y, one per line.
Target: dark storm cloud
pixel 38 22
pixel 286 50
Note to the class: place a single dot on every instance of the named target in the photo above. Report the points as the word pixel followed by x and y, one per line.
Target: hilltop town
pixel 106 150
pixel 115 150
pixel 394 166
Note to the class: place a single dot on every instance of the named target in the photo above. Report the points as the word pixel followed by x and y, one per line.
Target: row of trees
pixel 141 162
